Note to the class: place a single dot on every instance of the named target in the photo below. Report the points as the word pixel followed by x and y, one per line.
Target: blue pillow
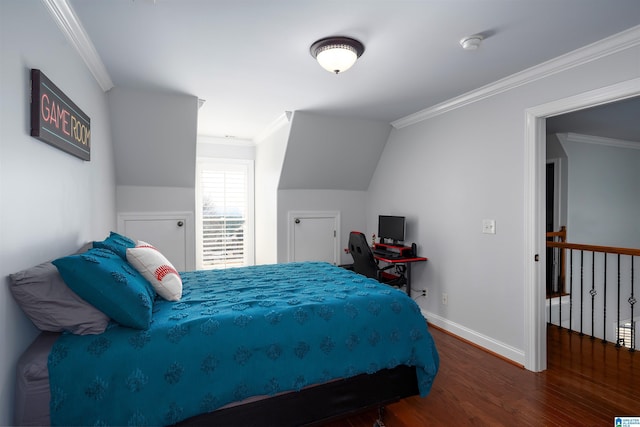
pixel 111 285
pixel 116 243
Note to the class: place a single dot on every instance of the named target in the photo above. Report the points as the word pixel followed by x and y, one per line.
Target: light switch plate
pixel 489 226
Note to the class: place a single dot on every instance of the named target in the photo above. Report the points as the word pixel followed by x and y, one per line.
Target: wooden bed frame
pixel 318 404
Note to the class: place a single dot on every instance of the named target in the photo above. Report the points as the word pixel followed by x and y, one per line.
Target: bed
pixel 284 344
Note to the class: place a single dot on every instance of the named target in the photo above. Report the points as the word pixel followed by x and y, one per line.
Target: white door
pixel 168 233
pixel 314 236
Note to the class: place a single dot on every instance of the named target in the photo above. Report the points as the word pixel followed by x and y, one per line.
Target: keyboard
pixel 387 254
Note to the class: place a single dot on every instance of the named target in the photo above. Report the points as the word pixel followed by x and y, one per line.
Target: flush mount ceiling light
pixel 337 54
pixel 471 42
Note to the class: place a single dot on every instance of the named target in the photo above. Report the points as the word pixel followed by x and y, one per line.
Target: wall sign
pixel 56 120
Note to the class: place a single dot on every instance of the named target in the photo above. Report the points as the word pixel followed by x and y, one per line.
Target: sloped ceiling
pixel 617 120
pixel 154 138
pixel 332 153
pixel 250 59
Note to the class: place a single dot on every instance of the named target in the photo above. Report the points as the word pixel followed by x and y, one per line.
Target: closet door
pixel 170 233
pixel 314 236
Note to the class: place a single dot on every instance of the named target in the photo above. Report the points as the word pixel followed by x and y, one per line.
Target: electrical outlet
pixel 445 298
pixel 425 292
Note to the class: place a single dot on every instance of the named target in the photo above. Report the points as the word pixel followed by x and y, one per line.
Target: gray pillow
pixel 52 305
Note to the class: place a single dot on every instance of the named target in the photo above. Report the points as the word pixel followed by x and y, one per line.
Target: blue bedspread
pixel 237 333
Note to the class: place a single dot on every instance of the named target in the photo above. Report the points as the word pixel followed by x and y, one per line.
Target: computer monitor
pixel 391 227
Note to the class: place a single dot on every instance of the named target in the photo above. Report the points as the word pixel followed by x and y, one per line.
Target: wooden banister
pixel 558 236
pixel 595 289
pixel 595 248
pixel 562 234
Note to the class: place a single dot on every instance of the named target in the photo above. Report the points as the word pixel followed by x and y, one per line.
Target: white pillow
pixel 157 270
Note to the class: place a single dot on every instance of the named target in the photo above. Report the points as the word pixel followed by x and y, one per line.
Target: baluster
pixel 632 301
pixel 604 311
pixel 618 318
pixel 570 291
pixel 560 250
pixel 550 293
pixel 581 292
pixel 593 293
pixel 625 335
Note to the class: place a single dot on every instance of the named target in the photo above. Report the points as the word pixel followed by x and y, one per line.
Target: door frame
pixel 557 210
pixel 186 216
pixel 292 215
pixel 535 342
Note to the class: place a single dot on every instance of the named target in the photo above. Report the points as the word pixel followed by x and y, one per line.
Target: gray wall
pixel 332 153
pixel 350 204
pixel 50 202
pixel 154 136
pixel 603 194
pixel 270 154
pixel 327 166
pixel 469 165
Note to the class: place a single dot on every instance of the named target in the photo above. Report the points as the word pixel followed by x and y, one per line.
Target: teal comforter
pixel 238 333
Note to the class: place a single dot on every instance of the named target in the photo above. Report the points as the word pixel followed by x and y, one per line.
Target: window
pixel 625 333
pixel 224 213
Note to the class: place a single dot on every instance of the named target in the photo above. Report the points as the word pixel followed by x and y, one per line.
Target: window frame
pixel 249 238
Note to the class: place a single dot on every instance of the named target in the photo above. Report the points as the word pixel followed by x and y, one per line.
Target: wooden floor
pixel 587 383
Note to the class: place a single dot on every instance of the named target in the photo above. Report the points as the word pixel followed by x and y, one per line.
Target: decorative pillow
pixel 157 269
pixel 110 284
pixel 116 243
pixel 51 305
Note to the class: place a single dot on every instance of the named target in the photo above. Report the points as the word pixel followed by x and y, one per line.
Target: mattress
pixel 336 398
pixel 275 311
pixel 32 382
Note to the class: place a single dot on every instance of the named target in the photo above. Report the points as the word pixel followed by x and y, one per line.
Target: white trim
pixel 188 218
pixel 282 120
pixel 70 25
pixel 475 337
pixel 220 140
pixel 599 140
pixel 623 40
pixel 535 342
pixel 292 215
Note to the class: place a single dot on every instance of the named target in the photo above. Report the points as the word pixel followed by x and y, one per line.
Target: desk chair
pixel 365 263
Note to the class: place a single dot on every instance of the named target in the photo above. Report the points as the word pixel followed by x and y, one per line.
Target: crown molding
pixel 64 15
pixel 599 140
pixel 610 45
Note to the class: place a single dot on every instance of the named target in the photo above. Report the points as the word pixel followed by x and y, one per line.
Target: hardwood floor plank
pixel 587 383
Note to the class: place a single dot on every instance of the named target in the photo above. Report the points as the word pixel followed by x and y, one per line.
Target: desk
pixel 407 260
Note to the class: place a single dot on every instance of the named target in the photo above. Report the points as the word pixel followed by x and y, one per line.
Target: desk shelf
pixel 406 257
pixel 404 251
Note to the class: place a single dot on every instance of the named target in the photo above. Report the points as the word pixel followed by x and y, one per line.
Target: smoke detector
pixel 471 42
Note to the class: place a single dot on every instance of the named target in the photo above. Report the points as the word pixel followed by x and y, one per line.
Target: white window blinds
pixel 225 214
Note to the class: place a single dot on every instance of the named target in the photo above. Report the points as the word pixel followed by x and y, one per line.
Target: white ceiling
pixel 618 120
pixel 250 61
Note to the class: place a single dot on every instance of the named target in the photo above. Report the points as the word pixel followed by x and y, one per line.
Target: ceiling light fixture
pixel 471 42
pixel 337 54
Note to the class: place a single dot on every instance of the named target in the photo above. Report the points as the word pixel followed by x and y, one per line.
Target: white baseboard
pixel 514 354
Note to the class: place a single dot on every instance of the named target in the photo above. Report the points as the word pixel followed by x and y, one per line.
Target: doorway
pixel 535 344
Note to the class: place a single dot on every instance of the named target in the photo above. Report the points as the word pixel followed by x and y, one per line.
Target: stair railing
pixel 601 279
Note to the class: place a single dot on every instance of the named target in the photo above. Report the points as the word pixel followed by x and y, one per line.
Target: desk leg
pixel 408 265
